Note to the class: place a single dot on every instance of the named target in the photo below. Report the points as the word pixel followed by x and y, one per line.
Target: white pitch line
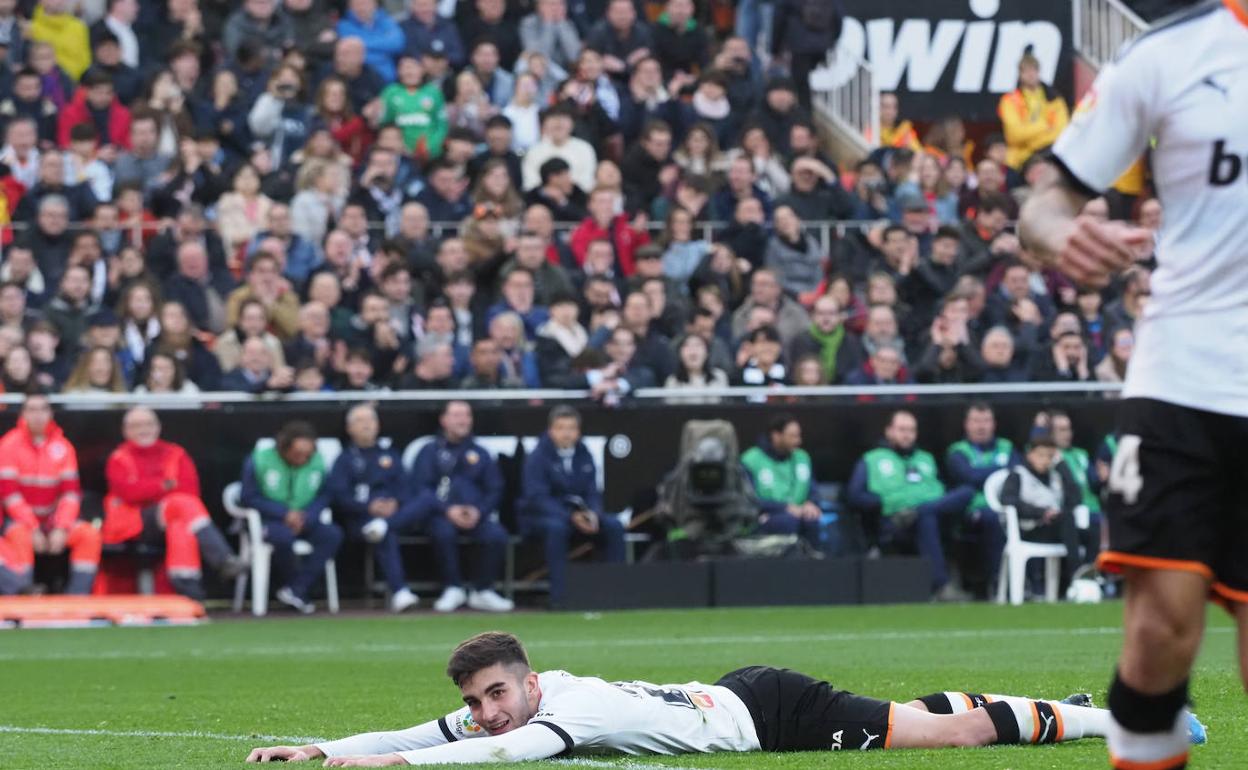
pixel 300 739
pixel 214 653
pixel 295 739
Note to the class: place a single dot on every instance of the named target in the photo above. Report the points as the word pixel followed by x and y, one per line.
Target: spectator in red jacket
pixel 603 223
pixel 41 497
pixel 96 102
pixel 153 494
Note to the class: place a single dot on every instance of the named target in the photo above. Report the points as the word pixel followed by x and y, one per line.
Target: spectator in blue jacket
pixel 560 499
pixel 454 492
pixel 426 32
pixel 286 484
pixel 366 490
pixel 382 36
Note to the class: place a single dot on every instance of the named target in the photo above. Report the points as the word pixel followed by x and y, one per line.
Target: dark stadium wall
pixel 639 440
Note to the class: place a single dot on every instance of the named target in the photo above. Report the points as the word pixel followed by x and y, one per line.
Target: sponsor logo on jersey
pixel 837 737
pixel 1224 167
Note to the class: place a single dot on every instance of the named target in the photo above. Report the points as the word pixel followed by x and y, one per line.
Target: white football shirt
pixel 1184 86
pixel 576 715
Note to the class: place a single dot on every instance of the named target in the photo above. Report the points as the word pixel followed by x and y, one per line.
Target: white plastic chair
pixel 1018 551
pixel 255 550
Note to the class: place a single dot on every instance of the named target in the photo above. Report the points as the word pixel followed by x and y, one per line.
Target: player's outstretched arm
pixel 418 737
pixel 284 754
pixel 533 741
pixel 1084 248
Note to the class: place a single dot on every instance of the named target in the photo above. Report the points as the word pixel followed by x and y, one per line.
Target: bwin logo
pixel 1224 167
pixel 923 49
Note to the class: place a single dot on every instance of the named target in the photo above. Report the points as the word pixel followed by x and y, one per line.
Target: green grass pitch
pixel 201 697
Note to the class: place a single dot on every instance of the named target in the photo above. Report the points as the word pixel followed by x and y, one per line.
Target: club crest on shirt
pixel 702 700
pixel 385 462
pixel 471 457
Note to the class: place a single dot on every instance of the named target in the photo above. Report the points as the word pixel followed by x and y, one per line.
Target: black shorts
pixel 1181 502
pixel 794 712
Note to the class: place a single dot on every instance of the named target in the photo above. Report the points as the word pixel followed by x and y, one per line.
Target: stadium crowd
pixel 281 197
pixel 305 196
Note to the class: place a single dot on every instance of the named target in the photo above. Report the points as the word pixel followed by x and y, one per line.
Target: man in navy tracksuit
pixel 560 499
pixel 455 491
pixel 367 491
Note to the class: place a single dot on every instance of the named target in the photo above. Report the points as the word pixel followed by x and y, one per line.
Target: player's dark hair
pixel 292 432
pixel 485 650
pixel 781 421
pixel 563 412
pixel 978 406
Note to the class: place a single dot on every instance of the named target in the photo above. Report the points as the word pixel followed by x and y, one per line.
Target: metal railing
pixel 1102 27
pixel 532 396
pixel 853 107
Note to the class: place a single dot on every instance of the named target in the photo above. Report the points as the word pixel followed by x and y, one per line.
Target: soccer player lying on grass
pixel 515 714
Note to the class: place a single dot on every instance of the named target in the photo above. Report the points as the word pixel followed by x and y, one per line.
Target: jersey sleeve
pixel 523 744
pixel 451 728
pixel 1113 123
pixel 576 716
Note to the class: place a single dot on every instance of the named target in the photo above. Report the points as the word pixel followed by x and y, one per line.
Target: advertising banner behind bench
pixel 953 57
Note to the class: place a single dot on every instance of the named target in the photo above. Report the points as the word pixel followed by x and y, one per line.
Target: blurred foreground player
pixel 1178 506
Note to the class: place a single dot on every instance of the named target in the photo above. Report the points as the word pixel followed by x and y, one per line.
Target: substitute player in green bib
pixel 969 463
pixel 899 482
pixel 784 481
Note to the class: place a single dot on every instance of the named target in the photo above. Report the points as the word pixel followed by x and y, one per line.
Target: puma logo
pixel 1048 723
pixel 867 743
pixel 1215 85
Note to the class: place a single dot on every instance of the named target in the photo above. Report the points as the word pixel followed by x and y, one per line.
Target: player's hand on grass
pixel 284 754
pixel 377 760
pixel 1093 251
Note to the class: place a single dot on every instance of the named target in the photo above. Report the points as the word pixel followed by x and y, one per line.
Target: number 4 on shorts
pixel 1124 474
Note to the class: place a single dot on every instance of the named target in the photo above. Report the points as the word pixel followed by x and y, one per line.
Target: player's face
pixel 38 413
pixel 1063 435
pixel 501 698
pixel 141 427
pixel 565 432
pixel 980 426
pixel 363 426
pixel 902 432
pixel 1041 458
pixel 299 452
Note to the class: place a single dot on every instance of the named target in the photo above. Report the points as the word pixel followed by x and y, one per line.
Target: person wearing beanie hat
pixel 1045 495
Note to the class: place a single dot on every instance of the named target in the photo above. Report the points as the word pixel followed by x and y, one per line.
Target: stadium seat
pixel 1019 551
pixel 253 548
